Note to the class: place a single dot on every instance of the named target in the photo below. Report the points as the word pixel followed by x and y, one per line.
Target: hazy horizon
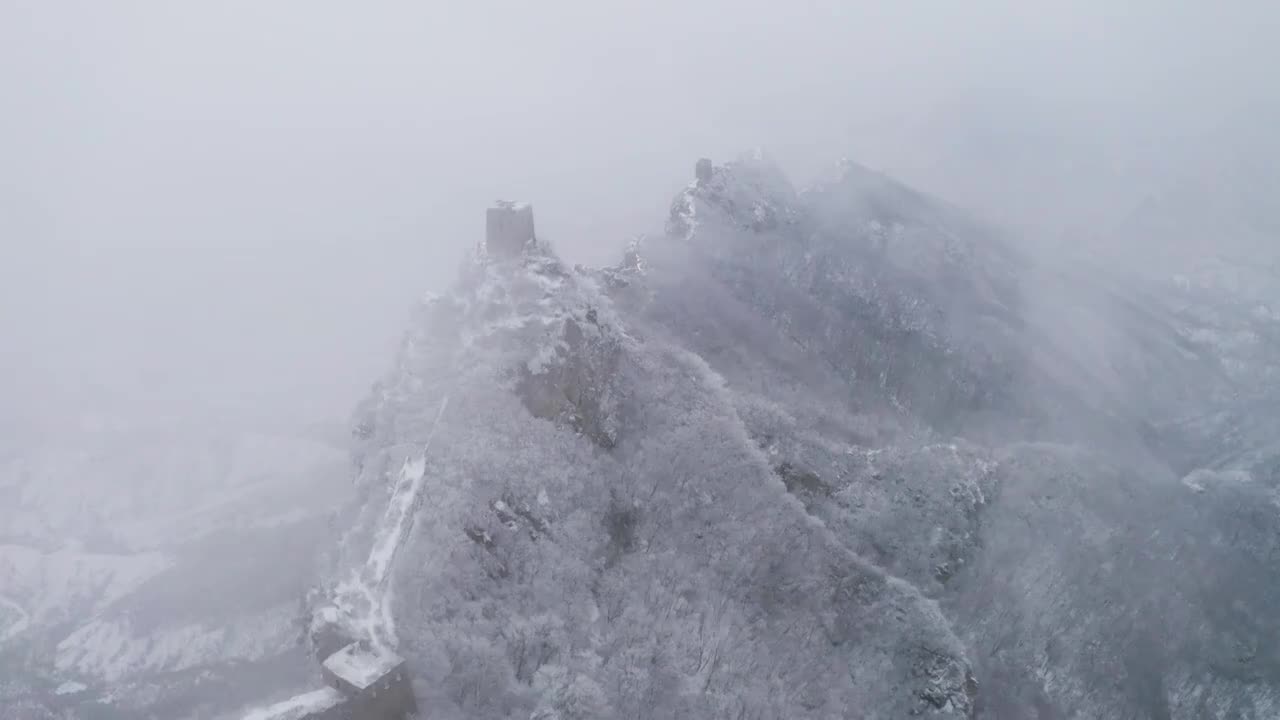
pixel 235 203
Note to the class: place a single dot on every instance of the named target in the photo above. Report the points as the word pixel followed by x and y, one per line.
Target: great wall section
pixel 352 631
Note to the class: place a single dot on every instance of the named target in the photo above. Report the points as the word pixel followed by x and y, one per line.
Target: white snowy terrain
pixel 201 539
pixel 841 451
pixel 824 453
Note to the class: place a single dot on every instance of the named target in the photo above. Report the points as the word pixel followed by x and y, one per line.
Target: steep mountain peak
pixel 517 312
pixel 750 192
pixel 585 479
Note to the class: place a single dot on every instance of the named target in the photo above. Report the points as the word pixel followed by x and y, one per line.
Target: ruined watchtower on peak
pixel 508 228
pixel 702 171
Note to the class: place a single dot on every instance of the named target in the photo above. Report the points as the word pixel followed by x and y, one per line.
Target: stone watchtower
pixel 508 228
pixel 702 171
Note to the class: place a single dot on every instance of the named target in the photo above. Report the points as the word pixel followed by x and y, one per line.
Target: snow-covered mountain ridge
pixel 833 452
pixel 810 429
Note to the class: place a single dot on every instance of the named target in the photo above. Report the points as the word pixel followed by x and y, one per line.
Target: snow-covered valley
pixel 200 546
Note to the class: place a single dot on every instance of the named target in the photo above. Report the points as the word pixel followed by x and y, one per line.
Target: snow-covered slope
pixel 832 452
pixel 47 588
pixel 600 535
pixel 824 453
pixel 146 486
pixel 1068 566
pixel 146 564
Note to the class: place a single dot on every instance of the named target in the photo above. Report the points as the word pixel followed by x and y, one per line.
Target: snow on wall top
pixel 362 666
pixel 299 706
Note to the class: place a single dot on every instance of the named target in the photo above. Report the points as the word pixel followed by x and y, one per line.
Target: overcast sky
pixel 234 202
